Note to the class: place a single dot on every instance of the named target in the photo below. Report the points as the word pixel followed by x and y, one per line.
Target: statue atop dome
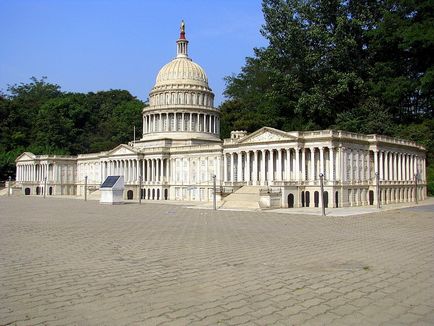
pixel 182 27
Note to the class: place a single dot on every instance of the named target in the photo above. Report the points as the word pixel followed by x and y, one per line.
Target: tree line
pixel 40 118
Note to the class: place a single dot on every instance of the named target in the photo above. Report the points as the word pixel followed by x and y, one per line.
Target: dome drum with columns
pixel 180 151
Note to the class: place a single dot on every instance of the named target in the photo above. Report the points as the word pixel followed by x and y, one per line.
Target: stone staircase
pixel 245 197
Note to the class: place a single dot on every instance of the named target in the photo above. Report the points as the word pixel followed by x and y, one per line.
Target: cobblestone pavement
pixel 74 262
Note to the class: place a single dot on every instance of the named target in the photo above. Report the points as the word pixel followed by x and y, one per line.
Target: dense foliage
pixel 40 118
pixel 364 66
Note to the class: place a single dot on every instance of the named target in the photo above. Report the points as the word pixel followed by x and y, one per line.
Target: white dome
pixel 182 70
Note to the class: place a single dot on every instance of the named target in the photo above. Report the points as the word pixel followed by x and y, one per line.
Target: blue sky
pixel 92 45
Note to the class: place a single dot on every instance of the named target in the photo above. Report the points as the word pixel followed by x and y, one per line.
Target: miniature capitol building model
pixel 180 151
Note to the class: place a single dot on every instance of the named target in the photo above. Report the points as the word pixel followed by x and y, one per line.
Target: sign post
pixel 321 178
pixel 85 188
pixel 214 196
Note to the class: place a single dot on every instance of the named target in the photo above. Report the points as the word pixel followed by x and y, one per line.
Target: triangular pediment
pixel 266 134
pixel 122 150
pixel 26 156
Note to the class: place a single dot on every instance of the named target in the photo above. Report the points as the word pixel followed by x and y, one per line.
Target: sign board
pixel 112 190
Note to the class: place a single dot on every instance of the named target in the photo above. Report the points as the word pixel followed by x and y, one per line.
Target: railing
pixel 268 191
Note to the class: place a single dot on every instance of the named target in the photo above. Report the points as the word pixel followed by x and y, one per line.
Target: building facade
pixel 180 151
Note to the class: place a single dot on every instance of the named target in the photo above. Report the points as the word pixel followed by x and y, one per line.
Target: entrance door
pixel 130 194
pixel 316 198
pixel 302 199
pixel 290 201
pixel 27 191
pixel 307 198
pixel 337 199
pixel 371 197
pixel 326 199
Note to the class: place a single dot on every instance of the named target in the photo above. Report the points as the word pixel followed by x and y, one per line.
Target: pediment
pixel 122 150
pixel 266 134
pixel 26 156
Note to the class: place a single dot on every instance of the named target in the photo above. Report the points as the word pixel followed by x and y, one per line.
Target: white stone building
pixel 181 150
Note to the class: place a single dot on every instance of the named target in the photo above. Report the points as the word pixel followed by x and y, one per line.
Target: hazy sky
pixel 92 45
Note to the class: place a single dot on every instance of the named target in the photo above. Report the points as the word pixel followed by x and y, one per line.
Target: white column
pixel 247 167
pixel 344 164
pixel 380 165
pixel 332 164
pixel 255 167
pixel 240 166
pixel 225 167
pixel 303 164
pixel 321 160
pixel 271 166
pixel 279 165
pixel 161 171
pixel 357 158
pixel 232 168
pixel 263 172
pixel 312 162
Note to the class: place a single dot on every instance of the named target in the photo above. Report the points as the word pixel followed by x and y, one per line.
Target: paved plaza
pixel 65 261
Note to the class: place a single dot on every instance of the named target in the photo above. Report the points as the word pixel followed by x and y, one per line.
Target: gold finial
pixel 182 26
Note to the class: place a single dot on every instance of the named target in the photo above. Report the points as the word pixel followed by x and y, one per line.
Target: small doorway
pixel 302 199
pixel 158 194
pixel 50 191
pixel 371 197
pixel 326 199
pixel 337 199
pixel 290 201
pixel 130 194
pixel 149 194
pixel 166 194
pixel 38 190
pixel 316 198
pixel 307 198
pixel 153 194
pixel 27 191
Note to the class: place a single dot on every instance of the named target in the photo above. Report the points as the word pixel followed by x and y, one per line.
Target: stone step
pixel 245 197
pixel 241 204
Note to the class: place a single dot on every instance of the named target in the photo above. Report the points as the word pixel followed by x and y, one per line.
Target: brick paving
pixel 74 262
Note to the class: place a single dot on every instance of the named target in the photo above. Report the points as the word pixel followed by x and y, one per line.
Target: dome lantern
pixel 182 43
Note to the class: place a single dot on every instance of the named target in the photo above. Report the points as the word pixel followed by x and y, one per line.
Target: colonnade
pixel 348 165
pixel 36 172
pixel 280 164
pixel 396 166
pixel 151 169
pixel 181 121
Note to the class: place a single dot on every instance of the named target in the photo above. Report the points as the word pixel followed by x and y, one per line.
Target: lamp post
pixel 214 196
pixel 140 189
pixel 45 186
pixel 377 181
pixel 9 185
pixel 85 188
pixel 321 178
pixel 415 189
